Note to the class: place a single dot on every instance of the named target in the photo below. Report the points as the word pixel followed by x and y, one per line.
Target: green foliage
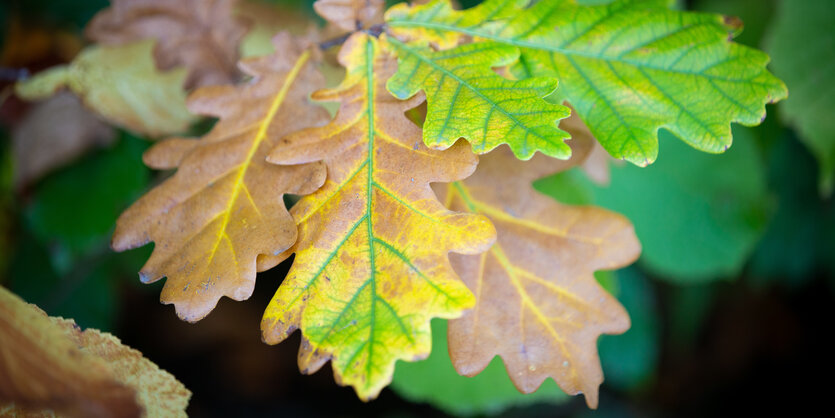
pixel 466 99
pixel 630 359
pixel 626 67
pixel 800 239
pixel 434 380
pixel 718 202
pixel 75 210
pixel 62 262
pixel 810 72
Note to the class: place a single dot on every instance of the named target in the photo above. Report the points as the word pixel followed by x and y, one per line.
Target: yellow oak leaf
pixel 223 207
pixel 538 305
pixel 122 84
pixel 371 263
pixel 49 366
pixel 199 35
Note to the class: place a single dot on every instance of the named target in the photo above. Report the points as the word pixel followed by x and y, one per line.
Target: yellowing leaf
pixel 121 84
pixel 629 67
pixel 223 207
pixel 467 99
pixel 538 305
pixel 350 15
pixel 199 35
pixel 48 365
pixel 371 266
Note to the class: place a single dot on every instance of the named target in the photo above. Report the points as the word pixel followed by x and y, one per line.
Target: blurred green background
pixel 730 302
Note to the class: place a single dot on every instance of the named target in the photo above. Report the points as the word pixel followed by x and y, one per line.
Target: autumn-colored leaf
pixel 199 35
pixel 48 365
pixel 54 133
pixel 467 99
pixel 538 305
pixel 371 266
pixel 629 67
pixel 223 207
pixel 350 15
pixel 122 85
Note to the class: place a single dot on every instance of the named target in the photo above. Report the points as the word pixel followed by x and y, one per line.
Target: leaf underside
pixel 629 67
pixel 371 266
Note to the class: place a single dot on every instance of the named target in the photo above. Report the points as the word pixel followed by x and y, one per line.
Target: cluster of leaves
pixel 389 189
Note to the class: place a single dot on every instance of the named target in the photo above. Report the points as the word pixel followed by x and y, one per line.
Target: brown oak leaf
pixel 200 35
pixel 48 366
pixel 350 15
pixel 223 207
pixel 538 305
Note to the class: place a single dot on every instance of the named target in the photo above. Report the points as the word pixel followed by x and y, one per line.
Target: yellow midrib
pixel 259 137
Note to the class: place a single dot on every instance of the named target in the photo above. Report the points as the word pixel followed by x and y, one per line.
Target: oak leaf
pixel 371 266
pixel 223 207
pixel 628 67
pixel 350 15
pixel 199 35
pixel 122 84
pixel 538 305
pixel 53 134
pixel 467 99
pixel 48 365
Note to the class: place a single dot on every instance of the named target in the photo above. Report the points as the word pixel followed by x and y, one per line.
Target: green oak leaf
pixel 467 99
pixel 628 68
pixel 803 46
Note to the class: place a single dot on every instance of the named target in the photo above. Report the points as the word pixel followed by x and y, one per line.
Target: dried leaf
pixel 351 15
pixel 223 207
pixel 54 133
pixel 371 266
pixel 48 365
pixel 538 304
pixel 199 35
pixel 122 85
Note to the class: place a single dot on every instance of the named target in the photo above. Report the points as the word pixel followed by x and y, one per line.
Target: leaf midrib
pixel 260 135
pixel 563 51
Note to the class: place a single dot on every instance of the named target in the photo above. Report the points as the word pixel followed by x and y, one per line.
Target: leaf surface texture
pixel 223 207
pixel 629 67
pixel 49 365
pixel 538 305
pixel 467 99
pixel 371 266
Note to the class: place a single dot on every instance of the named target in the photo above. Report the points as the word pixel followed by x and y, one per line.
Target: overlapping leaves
pixel 223 208
pixel 370 238
pixel 629 67
pixel 538 305
pixel 371 266
pixel 467 99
